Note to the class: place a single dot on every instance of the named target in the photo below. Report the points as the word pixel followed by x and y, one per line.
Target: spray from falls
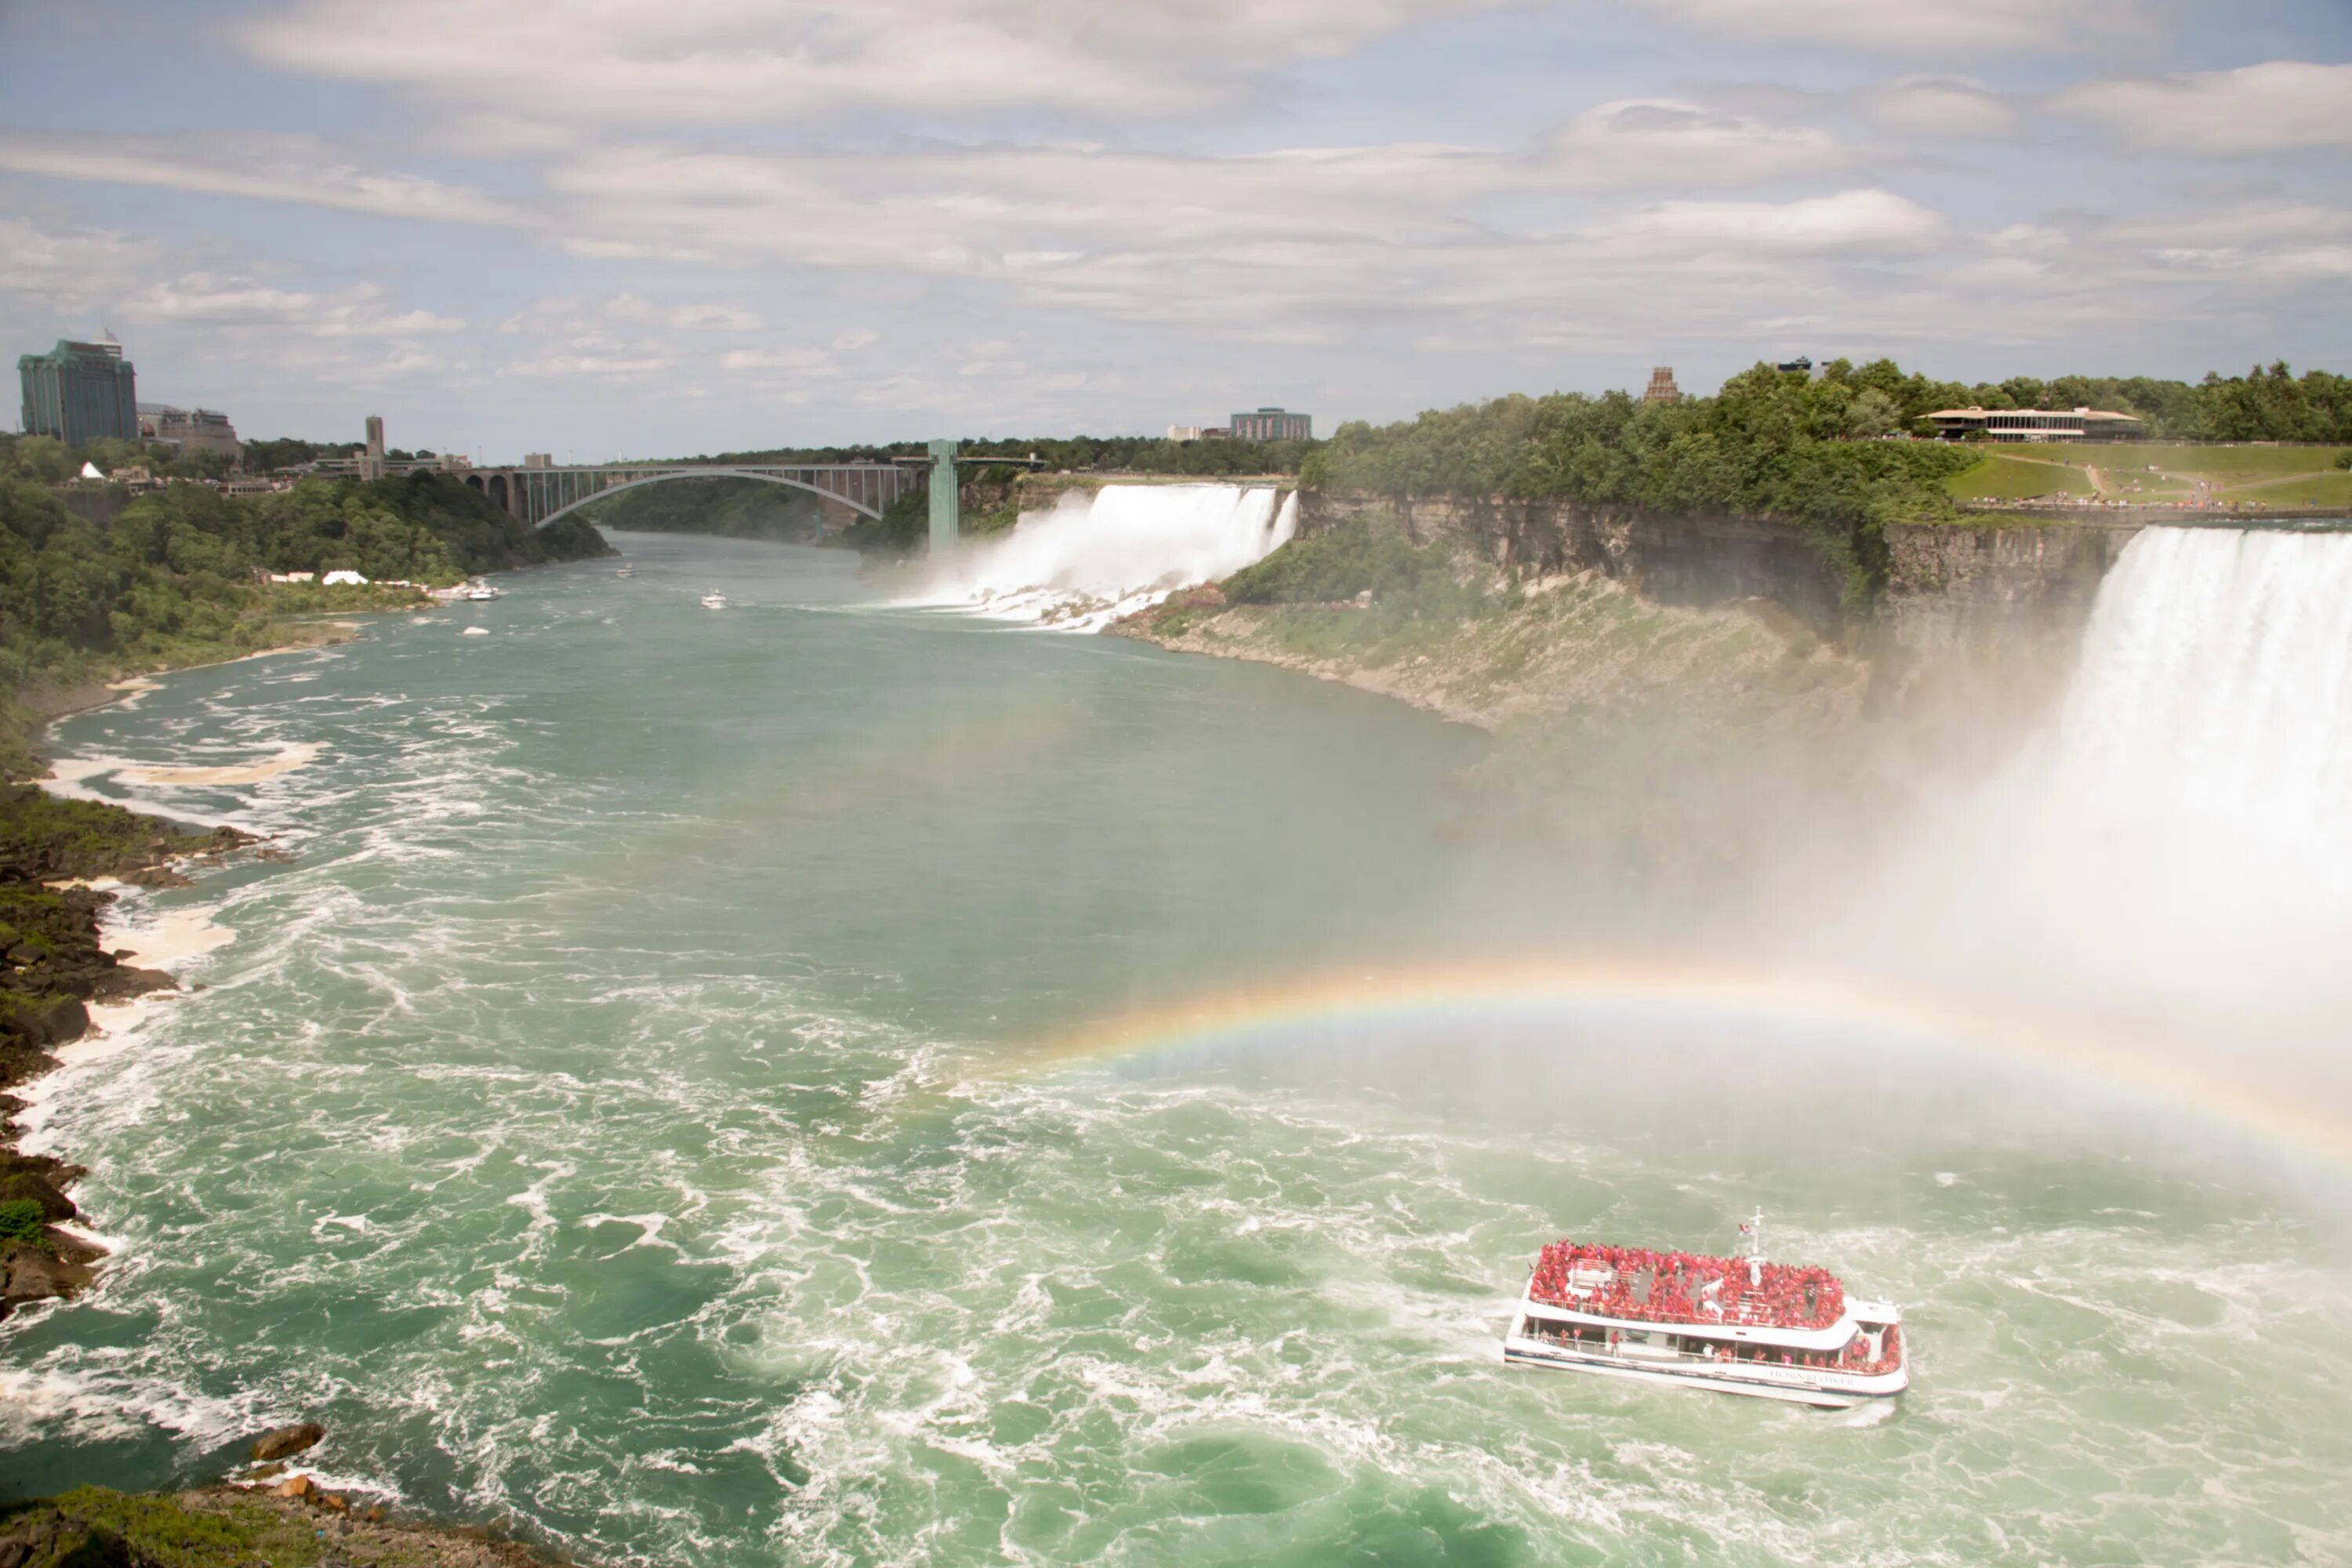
pixel 2175 847
pixel 1094 558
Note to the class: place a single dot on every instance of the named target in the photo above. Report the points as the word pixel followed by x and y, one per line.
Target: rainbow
pixel 2139 1070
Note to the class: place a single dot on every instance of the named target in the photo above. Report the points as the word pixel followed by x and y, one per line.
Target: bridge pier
pixel 947 514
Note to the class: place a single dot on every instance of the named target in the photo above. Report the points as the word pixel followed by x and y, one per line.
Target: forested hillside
pixel 169 577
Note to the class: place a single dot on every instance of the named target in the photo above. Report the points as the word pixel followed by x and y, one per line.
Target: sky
pixel 609 228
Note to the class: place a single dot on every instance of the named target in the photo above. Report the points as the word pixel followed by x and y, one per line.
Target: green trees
pixel 2275 405
pixel 171 575
pixel 1801 448
pixel 1768 442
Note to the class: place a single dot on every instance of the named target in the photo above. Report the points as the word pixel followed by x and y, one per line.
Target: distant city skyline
pixel 717 224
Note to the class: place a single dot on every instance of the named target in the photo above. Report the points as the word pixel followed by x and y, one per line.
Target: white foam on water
pixel 1094 558
pixel 171 940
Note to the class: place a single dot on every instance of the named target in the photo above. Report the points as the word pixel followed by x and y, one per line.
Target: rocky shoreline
pixel 57 857
pixel 53 966
pixel 266 1514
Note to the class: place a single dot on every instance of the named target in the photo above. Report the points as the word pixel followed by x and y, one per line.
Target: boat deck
pixel 1645 1285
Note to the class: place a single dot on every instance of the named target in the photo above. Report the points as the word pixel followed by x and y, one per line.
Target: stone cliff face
pixel 1690 559
pixel 1953 588
pixel 1950 586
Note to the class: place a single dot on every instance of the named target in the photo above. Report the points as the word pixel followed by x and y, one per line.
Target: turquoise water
pixel 622 1118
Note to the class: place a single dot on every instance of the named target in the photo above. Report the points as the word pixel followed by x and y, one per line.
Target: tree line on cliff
pixel 1806 448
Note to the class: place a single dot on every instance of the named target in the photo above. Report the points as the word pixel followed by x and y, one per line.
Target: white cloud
pixel 776 358
pixel 740 61
pixel 1937 108
pixel 1924 31
pixel 1859 220
pixel 357 310
pixel 301 169
pixel 1668 143
pixel 2281 107
pixel 68 271
pixel 1305 247
pixel 561 365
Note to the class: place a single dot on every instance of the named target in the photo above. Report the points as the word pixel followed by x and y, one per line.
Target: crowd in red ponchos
pixel 1677 1287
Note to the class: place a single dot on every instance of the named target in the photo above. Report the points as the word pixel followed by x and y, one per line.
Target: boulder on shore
pixel 52 1021
pixel 30 1273
pixel 124 982
pixel 281 1441
pixel 16 1185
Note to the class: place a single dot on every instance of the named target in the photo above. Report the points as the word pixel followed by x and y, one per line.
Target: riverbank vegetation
pixel 96 583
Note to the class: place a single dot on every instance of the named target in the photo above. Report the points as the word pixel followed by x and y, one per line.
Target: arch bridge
pixel 539 493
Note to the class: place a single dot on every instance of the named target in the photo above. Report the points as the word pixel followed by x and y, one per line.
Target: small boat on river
pixel 714 600
pixel 1735 1325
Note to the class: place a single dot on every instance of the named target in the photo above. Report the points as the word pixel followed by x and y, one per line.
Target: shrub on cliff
pixel 23 1222
pixel 1339 562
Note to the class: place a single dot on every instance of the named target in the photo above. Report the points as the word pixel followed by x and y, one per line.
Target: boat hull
pixel 1788 1385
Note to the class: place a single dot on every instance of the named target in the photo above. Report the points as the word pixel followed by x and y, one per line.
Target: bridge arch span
pixel 706 471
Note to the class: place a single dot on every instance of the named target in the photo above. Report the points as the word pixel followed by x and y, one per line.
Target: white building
pixel 2036 425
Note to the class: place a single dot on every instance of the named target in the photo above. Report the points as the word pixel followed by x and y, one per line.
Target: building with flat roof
pixel 190 430
pixel 80 392
pixel 2035 425
pixel 1272 425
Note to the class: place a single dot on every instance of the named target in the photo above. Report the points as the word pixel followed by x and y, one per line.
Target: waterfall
pixel 2215 689
pixel 1094 558
pixel 2175 846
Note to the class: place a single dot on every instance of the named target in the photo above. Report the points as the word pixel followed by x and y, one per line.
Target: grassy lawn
pixel 2323 489
pixel 2157 471
pixel 2003 477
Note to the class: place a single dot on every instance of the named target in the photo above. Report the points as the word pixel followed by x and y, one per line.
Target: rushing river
pixel 668 1102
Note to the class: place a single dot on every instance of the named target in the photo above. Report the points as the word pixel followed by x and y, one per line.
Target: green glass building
pixel 80 393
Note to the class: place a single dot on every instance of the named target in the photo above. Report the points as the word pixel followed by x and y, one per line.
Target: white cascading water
pixel 2175 848
pixel 1093 559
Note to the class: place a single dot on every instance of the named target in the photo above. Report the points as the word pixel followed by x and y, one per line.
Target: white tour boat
pixel 1736 1325
pixel 478 589
pixel 627 572
pixel 714 600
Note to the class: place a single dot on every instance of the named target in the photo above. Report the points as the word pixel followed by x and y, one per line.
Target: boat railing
pixel 1640 1312
pixel 1654 1355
